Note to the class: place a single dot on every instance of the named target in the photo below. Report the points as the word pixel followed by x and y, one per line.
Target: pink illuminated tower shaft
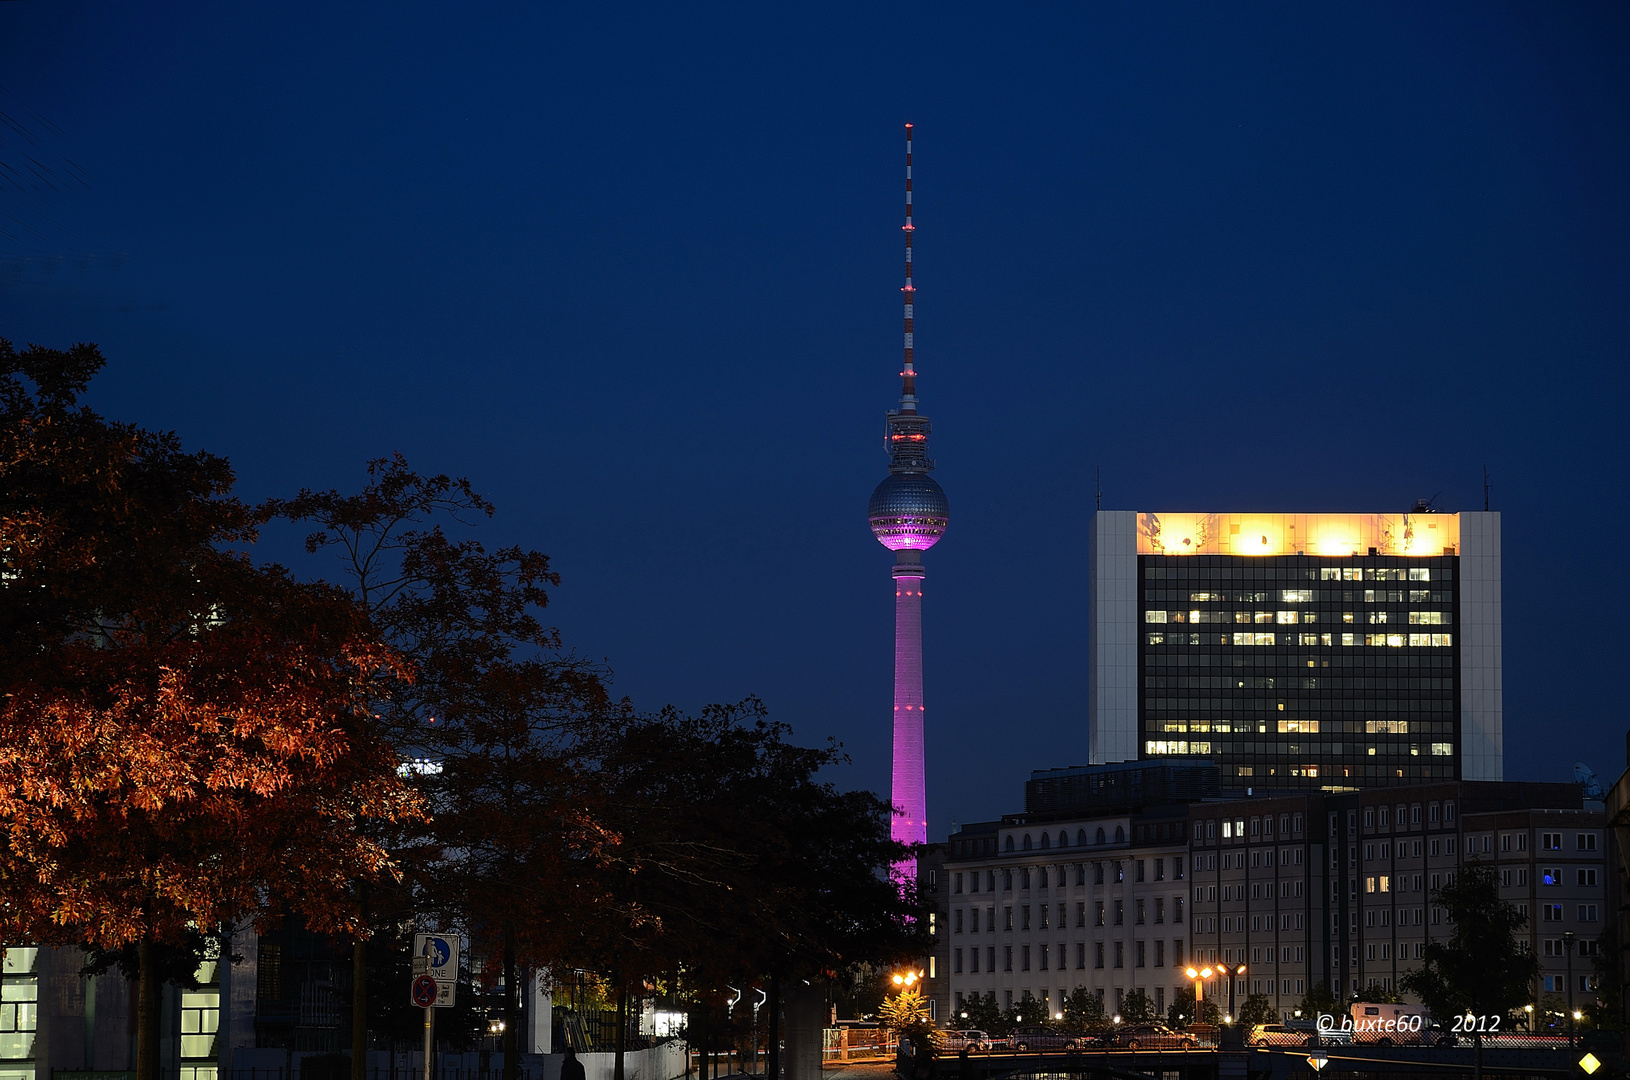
pixel 910 795
pixel 908 514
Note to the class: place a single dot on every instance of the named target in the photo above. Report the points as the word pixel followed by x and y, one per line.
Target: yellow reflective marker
pixel 1318 1060
pixel 1589 1064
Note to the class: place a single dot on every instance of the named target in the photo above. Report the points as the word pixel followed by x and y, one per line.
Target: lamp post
pixel 1567 951
pixel 1238 969
pixel 1199 975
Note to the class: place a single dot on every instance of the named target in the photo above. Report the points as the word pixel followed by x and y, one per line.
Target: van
pixel 1386 1024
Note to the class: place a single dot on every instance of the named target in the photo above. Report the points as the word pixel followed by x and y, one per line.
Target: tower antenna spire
pixel 908 375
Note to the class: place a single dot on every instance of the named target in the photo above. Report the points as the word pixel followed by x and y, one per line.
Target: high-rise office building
pixel 1299 651
pixel 908 514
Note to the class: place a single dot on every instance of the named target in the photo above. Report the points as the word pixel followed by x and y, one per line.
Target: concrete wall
pixel 1482 685
pixel 1112 662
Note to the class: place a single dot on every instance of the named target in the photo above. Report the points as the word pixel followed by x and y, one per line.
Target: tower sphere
pixel 908 511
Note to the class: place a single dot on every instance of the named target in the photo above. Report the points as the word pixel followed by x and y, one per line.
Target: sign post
pixel 435 984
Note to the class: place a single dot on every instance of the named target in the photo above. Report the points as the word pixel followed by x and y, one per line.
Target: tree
pixel 1606 961
pixel 1083 1011
pixel 1257 1009
pixel 1319 1001
pixel 186 739
pixel 1027 1011
pixel 1182 1011
pixel 1137 1008
pixel 905 1015
pixel 1482 969
pixel 983 1014
pixel 734 861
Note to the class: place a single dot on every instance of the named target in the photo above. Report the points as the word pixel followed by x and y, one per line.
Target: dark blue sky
pixel 634 270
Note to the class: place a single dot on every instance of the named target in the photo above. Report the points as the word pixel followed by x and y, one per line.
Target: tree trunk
pixel 512 1060
pixel 622 1034
pixel 701 1040
pixel 772 1048
pixel 147 1013
pixel 359 1009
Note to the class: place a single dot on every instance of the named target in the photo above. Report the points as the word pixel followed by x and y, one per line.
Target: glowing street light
pixel 1222 969
pixel 1198 974
pixel 909 978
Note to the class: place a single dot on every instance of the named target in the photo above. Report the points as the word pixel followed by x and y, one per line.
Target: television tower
pixel 908 514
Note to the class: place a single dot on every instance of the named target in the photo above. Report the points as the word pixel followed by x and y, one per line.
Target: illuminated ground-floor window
pixel 200 1021
pixel 19 1011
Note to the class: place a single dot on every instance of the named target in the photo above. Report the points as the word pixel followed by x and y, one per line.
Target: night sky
pixel 635 271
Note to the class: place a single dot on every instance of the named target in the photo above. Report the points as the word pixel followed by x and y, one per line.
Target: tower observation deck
pixel 908 513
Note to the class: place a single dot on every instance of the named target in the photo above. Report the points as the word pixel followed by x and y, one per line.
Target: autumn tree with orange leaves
pixel 186 737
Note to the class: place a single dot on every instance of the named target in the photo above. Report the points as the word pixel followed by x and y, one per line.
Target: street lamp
pixel 1199 990
pixel 1239 969
pixel 909 978
pixel 1567 950
pixel 1529 1019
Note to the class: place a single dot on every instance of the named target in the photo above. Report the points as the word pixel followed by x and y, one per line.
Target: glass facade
pixel 200 1022
pixel 19 1011
pixel 1302 671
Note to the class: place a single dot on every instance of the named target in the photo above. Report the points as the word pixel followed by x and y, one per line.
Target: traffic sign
pixel 1589 1063
pixel 1318 1059
pixel 424 991
pixel 436 955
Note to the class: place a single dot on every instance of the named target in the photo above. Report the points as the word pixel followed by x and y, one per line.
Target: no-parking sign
pixel 435 957
pixel 424 991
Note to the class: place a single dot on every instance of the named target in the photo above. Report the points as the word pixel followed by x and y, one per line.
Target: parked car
pixel 1155 1037
pixel 1039 1038
pixel 966 1038
pixel 1204 1034
pixel 1278 1035
pixel 1092 1041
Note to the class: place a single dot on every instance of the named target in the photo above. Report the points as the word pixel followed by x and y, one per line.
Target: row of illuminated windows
pixel 1189 569
pixel 1303 597
pixel 19 1003
pixel 1380 573
pixel 1259 638
pixel 1205 747
pixel 1293 618
pixel 1315 727
pixel 1023 955
pixel 1228 658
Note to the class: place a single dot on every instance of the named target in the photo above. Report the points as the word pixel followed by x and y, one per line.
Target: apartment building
pixel 1258 893
pixel 1087 888
pixel 1337 888
pixel 1118 876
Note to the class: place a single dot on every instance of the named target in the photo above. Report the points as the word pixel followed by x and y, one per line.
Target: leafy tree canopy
pixel 1137 1007
pixel 1481 969
pixel 1257 1009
